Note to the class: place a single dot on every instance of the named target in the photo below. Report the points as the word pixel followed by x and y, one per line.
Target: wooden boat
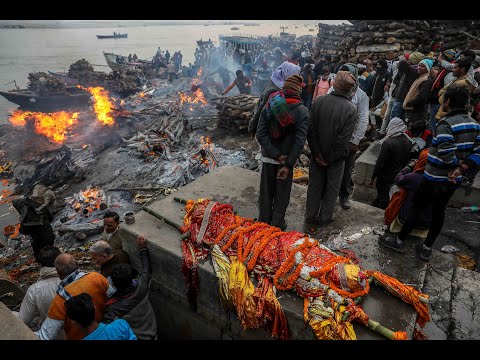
pixel 111 59
pixel 114 36
pixel 235 28
pixel 72 98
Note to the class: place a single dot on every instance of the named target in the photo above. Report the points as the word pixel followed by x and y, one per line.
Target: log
pixel 88 228
pixel 375 48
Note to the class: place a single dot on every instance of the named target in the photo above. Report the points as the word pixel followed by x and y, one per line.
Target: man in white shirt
pixel 39 296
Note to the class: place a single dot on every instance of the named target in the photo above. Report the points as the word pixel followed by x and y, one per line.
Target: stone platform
pixel 239 187
pixel 363 173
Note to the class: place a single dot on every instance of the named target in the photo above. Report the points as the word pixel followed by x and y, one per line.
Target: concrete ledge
pixel 365 164
pixel 12 327
pixel 239 187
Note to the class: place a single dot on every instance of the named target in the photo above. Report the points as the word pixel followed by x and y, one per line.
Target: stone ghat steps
pixel 239 187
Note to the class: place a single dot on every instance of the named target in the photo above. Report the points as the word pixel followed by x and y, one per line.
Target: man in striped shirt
pixel 455 149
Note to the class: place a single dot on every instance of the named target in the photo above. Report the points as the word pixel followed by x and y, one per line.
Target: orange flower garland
pixel 321 275
pixel 259 249
pixel 253 240
pixel 288 264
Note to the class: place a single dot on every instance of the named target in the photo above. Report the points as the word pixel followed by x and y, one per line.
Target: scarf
pixel 395 127
pixel 277 111
pixel 414 91
pixel 422 162
pixel 283 72
pixel 66 281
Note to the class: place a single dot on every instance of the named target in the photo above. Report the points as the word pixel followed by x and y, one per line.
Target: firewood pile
pixel 43 83
pixel 234 112
pixel 453 34
pixel 330 38
pixel 374 38
pixel 79 66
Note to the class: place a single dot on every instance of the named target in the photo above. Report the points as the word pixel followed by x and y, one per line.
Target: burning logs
pixel 234 112
pixel 44 84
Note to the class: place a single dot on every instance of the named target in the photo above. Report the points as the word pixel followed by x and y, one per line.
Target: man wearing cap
pixel 336 113
pixel 416 100
pixel 407 74
pixel 282 132
pixel 360 101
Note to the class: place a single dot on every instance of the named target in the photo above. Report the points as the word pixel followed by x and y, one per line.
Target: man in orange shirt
pixel 73 282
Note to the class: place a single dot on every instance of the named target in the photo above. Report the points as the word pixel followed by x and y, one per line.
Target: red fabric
pixel 393 208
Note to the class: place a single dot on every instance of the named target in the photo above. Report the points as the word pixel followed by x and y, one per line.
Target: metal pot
pixel 129 218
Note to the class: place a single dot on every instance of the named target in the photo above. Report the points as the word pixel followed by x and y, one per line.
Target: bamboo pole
pixel 169 222
pixel 378 328
pixel 180 200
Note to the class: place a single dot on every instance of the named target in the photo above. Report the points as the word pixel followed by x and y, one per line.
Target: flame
pixel 207 146
pixel 54 126
pixel 141 95
pixel 88 200
pixel 200 71
pixel 101 104
pixel 85 146
pixel 197 97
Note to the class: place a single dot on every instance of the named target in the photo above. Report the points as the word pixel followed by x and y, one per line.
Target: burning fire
pixel 12 231
pixel 54 126
pixel 197 97
pixel 101 104
pixel 207 149
pixel 88 201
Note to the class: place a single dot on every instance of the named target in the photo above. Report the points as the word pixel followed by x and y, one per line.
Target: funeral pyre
pixel 242 249
pixel 117 156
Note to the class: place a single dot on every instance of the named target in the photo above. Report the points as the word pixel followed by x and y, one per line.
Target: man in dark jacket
pixel 35 221
pixel 130 302
pixel 407 74
pixel 332 121
pixel 380 80
pixel 455 149
pixel 282 132
pixel 416 100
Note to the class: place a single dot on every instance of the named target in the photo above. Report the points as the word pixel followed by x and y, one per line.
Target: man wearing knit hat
pixel 282 132
pixel 416 100
pixel 332 121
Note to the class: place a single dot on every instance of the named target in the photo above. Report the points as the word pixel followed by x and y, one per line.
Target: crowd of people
pixel 424 109
pixel 109 304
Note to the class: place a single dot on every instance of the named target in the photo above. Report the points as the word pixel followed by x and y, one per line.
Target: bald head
pixel 65 265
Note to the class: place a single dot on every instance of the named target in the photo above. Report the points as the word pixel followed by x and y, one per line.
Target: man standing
pixel 264 73
pixel 454 150
pixel 416 100
pixel 111 224
pixel 167 56
pixel 360 101
pixel 332 121
pixel 73 282
pixel 171 68
pixel 282 131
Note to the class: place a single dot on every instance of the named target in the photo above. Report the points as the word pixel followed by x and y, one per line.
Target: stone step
pixel 364 165
pixel 239 187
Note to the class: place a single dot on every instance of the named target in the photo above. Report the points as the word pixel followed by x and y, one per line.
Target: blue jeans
pixel 397 110
pixel 433 108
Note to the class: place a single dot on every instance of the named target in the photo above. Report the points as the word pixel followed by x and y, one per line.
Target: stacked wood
pixel 79 66
pixel 374 38
pixel 44 84
pixel 455 34
pixel 234 112
pixel 331 39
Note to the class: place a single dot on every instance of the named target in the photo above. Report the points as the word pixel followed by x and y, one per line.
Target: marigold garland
pixel 259 249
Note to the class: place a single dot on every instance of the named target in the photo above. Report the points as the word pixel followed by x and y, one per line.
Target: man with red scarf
pixel 282 132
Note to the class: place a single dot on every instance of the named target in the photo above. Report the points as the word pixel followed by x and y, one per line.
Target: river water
pixel 30 50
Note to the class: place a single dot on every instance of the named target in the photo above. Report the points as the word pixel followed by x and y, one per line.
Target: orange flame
pixel 197 97
pixel 207 144
pixel 54 126
pixel 101 104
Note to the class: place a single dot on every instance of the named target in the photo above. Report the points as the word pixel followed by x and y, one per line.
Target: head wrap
pixel 352 69
pixel 428 63
pixel 416 57
pixel 395 127
pixel 284 71
pixel 293 83
pixel 344 83
pixel 449 54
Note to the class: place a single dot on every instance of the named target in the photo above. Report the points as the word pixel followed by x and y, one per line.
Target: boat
pixel 311 29
pixel 246 42
pixel 111 59
pixel 71 98
pixel 114 36
pixel 234 28
pixel 204 43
